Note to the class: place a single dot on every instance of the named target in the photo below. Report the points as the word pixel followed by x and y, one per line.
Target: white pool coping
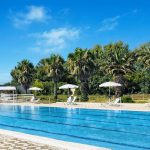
pixel 50 141
pixel 100 106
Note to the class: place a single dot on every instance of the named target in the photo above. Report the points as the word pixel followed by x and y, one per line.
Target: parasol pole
pixel 109 93
pixel 68 92
pixel 13 96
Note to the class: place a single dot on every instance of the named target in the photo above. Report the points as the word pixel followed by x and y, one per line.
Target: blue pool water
pixel 117 130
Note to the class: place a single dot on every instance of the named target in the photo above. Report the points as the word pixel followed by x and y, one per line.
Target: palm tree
pixel 144 55
pixel 97 51
pixel 99 75
pixel 41 74
pixel 81 64
pixel 54 68
pixel 118 62
pixel 23 73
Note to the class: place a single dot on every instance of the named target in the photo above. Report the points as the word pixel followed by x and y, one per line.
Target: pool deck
pixel 12 141
pixel 121 106
pixel 10 138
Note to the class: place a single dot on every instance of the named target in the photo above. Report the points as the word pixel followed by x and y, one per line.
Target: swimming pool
pixel 118 130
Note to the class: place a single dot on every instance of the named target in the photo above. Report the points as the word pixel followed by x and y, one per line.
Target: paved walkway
pixel 122 106
pixel 11 143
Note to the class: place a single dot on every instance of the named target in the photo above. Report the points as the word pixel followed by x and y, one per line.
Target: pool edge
pixel 115 108
pixel 50 141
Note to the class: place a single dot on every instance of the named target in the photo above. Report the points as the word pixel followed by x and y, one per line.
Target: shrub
pixel 127 99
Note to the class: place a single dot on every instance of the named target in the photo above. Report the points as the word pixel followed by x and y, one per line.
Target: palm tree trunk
pixel 25 88
pixel 69 92
pixel 26 91
pixel 55 90
pixel 119 89
pixel 84 90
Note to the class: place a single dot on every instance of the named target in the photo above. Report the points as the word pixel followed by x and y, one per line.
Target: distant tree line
pixel 88 68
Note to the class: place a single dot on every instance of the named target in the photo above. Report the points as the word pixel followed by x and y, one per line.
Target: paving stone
pixel 10 143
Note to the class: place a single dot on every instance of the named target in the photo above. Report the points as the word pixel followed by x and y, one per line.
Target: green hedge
pixel 127 99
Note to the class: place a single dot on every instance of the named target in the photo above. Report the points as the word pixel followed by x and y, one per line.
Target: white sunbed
pixel 33 100
pixel 73 101
pixel 113 103
pixel 69 100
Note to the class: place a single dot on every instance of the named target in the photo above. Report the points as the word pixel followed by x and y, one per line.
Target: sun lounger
pixel 116 102
pixel 113 103
pixel 34 100
pixel 69 100
pixel 73 101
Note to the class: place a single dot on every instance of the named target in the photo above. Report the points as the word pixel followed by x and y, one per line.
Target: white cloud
pixel 109 24
pixel 33 14
pixel 55 39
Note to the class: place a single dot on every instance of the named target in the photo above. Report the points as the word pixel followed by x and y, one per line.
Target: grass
pixel 137 98
pixel 50 99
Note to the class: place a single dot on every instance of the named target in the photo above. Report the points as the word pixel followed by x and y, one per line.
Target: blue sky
pixel 33 29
